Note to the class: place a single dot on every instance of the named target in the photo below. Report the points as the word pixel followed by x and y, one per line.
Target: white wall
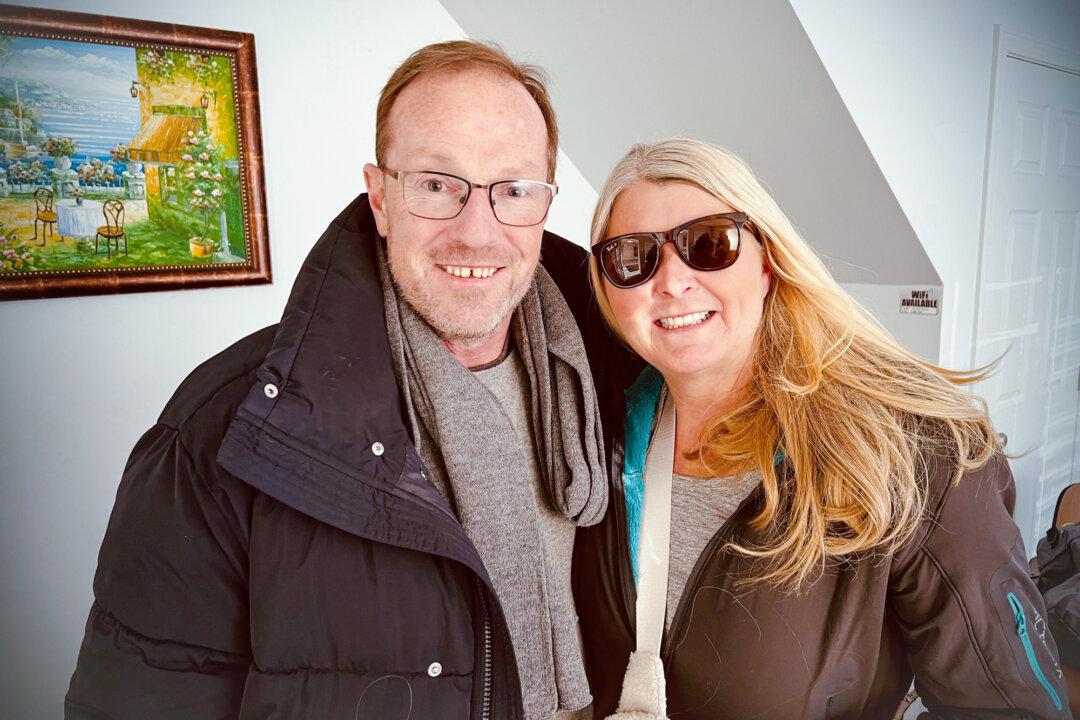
pixel 915 76
pixel 740 74
pixel 84 377
pixel 917 332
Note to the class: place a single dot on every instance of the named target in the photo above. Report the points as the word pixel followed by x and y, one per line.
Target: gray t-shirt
pixel 699 508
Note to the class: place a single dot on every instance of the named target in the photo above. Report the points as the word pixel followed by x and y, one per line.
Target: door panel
pixel 1029 302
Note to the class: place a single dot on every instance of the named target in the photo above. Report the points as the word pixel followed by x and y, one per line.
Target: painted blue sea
pixel 97 126
pixel 81 91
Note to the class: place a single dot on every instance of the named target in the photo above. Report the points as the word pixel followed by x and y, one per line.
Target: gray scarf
pixel 476 457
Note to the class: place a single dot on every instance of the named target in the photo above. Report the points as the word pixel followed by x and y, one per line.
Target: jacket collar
pixel 321 429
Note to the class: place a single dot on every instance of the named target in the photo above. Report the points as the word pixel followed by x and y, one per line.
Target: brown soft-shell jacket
pixel 955 609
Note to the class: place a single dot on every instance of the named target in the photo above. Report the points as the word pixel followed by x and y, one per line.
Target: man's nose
pixel 674 277
pixel 476 222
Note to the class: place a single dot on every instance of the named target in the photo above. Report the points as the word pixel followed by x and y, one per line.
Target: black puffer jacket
pixel 276 551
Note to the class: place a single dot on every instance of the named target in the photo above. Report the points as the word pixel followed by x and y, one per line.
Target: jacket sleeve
pixel 972 621
pixel 167 633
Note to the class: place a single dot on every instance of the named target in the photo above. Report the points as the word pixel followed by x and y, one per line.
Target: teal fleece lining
pixel 641 400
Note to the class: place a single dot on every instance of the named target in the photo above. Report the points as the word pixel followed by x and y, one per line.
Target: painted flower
pixel 197 192
pixel 204 156
pixel 216 192
pixel 186 158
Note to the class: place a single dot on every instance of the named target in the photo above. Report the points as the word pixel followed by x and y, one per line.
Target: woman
pixel 840 513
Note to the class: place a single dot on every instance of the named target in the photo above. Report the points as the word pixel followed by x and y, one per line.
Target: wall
pixel 916 78
pixel 84 377
pixel 740 73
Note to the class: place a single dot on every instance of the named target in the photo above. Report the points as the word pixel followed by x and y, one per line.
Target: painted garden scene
pixel 116 157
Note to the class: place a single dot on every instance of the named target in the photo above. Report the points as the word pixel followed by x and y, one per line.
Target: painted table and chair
pixel 83 221
pixel 78 221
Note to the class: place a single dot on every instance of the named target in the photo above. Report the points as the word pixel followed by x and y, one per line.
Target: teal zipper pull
pixel 1018 614
pixel 1025 639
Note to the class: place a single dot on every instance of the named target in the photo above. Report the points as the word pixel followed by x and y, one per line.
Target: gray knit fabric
pixel 474 454
pixel 509 383
pixel 699 508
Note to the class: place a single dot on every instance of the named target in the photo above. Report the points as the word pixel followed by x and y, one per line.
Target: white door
pixel 1029 294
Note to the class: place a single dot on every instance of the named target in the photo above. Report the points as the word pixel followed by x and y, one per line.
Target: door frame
pixel 1008 45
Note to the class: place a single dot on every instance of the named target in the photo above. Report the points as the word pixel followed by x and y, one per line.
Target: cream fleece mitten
pixel 644 695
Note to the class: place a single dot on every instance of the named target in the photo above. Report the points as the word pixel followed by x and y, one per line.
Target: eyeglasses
pixel 706 243
pixel 440 196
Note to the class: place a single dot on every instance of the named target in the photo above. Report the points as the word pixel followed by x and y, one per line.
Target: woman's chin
pixel 688 363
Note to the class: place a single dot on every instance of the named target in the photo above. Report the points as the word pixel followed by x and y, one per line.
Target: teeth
pixel 467 272
pixel 679 321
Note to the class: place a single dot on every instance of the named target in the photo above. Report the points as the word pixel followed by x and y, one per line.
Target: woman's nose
pixel 673 277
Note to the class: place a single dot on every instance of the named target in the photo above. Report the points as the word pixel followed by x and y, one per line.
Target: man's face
pixel 484 127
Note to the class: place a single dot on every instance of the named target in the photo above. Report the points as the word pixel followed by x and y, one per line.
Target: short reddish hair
pixel 459 55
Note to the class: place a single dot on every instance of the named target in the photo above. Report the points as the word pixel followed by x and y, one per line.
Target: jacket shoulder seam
pixel 203 481
pixel 931 517
pixel 177 422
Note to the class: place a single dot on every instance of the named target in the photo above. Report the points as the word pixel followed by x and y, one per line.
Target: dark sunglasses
pixel 706 243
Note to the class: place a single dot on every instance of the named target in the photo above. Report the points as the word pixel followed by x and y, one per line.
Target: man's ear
pixel 376 187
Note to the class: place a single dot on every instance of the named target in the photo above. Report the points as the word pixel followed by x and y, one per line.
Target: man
pixel 368 510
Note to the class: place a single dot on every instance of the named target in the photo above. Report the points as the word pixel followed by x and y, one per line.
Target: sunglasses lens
pixel 630 260
pixel 712 244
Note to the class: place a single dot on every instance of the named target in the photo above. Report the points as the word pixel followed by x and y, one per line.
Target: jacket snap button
pixel 377 448
pixel 270 390
pixel 434 669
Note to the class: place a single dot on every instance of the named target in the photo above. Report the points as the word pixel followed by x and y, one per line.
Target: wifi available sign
pixel 920 301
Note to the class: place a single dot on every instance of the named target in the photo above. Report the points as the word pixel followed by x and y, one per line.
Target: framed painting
pixel 130 156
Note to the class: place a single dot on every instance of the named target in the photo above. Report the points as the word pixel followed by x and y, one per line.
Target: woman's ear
pixel 766 272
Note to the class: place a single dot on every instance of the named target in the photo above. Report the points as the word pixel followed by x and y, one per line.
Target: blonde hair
pixel 456 55
pixel 856 415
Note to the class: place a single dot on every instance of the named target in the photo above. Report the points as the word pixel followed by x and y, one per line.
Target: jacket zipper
pixel 485 706
pixel 1021 630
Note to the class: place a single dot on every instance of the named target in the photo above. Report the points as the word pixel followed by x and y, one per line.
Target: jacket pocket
pixel 1020 618
pixel 1023 624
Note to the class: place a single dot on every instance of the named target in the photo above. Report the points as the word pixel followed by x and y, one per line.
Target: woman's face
pixel 721 346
